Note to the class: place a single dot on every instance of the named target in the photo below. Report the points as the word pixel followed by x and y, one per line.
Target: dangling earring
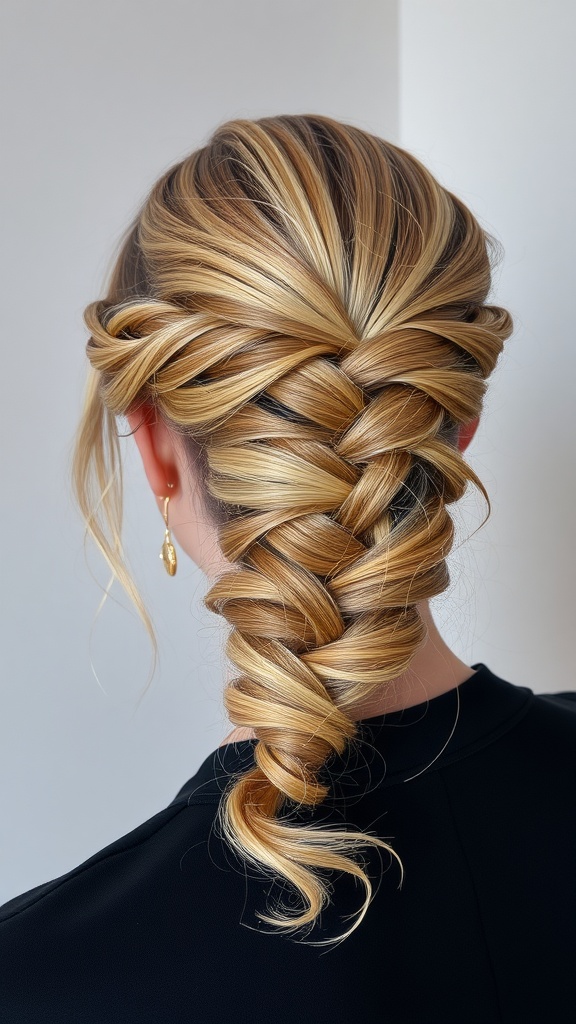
pixel 168 552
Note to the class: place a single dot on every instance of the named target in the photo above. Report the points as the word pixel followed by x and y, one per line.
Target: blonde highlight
pixel 309 305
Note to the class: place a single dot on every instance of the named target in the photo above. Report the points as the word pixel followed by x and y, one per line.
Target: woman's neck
pixel 435 669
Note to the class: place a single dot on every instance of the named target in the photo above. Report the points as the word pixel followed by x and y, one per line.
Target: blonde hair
pixel 308 306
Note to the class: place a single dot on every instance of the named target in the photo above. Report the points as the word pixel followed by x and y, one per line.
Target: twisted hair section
pixel 308 306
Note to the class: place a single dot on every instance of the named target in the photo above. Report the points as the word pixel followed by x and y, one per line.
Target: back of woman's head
pixel 308 307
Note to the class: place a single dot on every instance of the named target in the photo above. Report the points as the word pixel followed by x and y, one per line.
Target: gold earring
pixel 168 552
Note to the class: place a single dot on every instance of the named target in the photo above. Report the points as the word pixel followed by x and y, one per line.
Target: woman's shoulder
pixel 563 699
pixel 557 708
pixel 149 843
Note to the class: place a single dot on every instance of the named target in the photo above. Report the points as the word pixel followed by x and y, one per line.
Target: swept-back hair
pixel 307 306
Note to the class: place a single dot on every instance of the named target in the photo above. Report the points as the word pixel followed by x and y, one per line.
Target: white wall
pixel 103 97
pixel 487 99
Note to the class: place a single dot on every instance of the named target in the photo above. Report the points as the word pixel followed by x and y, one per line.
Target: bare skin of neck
pixel 435 669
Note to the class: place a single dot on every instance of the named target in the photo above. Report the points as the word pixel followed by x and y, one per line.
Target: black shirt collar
pixel 393 748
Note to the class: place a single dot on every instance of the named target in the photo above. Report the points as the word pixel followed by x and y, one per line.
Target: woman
pixel 298 332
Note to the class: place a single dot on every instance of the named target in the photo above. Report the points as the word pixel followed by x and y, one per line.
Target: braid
pixel 315 312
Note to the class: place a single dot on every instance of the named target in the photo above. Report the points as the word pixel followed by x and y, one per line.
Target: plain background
pixel 98 101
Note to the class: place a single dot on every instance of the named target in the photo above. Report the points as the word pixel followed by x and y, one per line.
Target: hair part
pixel 308 307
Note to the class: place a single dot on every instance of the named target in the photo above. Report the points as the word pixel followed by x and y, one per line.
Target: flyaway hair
pixel 308 307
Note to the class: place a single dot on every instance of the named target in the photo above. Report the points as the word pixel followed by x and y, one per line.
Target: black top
pixel 160 926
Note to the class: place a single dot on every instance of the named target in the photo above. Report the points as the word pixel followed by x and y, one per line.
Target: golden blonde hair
pixel 308 306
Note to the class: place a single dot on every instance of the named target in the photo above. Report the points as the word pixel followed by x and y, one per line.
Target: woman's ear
pixel 163 454
pixel 157 448
pixel 467 431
